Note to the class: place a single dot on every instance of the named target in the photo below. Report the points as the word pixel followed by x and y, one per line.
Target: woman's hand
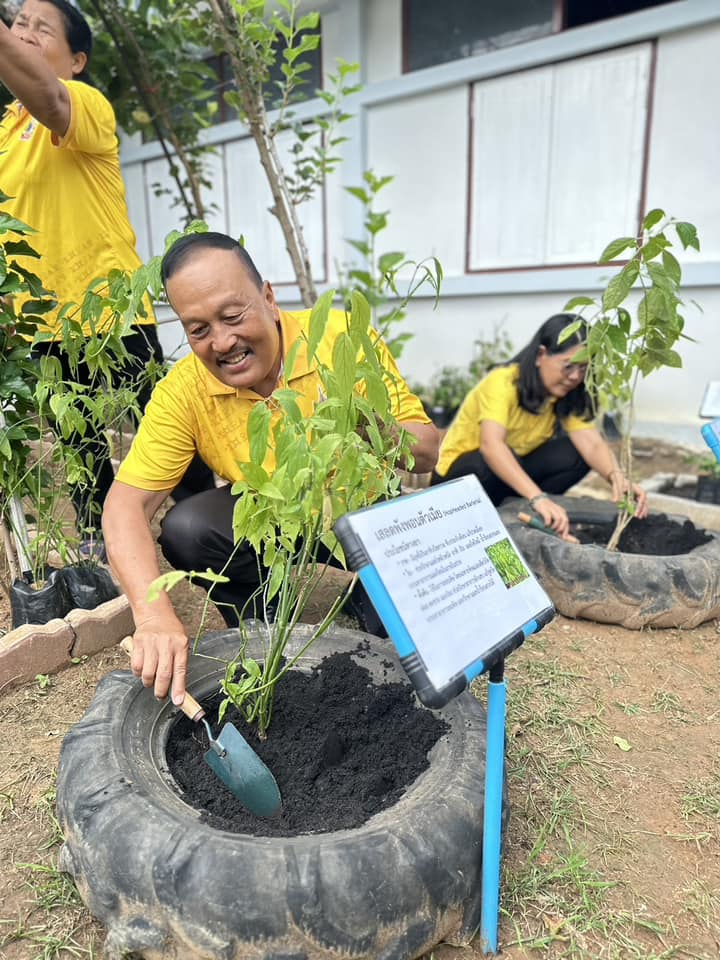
pixel 552 515
pixel 621 487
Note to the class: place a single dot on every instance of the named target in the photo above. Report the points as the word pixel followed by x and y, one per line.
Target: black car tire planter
pixel 632 590
pixel 167 885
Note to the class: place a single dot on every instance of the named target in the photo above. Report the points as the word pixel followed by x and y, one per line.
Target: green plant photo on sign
pixel 623 346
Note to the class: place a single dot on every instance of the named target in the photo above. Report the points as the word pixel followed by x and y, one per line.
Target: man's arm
pixel 160 652
pixel 29 78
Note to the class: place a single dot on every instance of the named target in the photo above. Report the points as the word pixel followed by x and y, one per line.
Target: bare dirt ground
pixel 612 848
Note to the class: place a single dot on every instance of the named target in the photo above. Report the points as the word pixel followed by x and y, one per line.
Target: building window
pixel 579 12
pixel 549 183
pixel 436 33
pixel 439 32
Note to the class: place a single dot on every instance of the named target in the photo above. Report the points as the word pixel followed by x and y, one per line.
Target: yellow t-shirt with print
pixel 496 398
pixel 71 192
pixel 191 411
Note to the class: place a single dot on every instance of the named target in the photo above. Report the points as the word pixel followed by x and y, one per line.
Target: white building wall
pixel 427 130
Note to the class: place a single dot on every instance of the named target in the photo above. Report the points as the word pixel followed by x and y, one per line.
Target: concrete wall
pixel 514 168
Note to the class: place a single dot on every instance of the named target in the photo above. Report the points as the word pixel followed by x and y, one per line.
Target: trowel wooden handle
pixel 190 707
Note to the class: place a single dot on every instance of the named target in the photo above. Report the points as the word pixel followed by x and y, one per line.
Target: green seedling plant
pixel 19 372
pixel 622 348
pixel 705 464
pixel 341 455
pixel 40 408
pixel 377 277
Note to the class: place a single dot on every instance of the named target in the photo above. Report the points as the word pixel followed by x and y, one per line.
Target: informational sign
pixel 710 406
pixel 452 571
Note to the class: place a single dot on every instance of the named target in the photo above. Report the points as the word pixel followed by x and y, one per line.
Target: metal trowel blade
pixel 244 774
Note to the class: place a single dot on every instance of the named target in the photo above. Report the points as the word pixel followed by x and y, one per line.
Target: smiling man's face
pixel 232 325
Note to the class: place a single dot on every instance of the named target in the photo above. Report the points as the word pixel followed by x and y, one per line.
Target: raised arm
pixel 160 642
pixel 30 78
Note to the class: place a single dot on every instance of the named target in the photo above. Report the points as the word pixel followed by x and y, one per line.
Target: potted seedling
pixel 39 410
pixel 273 890
pixel 664 585
pixel 622 349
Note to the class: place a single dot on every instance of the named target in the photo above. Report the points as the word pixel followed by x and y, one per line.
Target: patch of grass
pixel 669 704
pixel 50 888
pixel 54 918
pixel 629 709
pixel 704 904
pixel 46 806
pixel 46 945
pixel 702 798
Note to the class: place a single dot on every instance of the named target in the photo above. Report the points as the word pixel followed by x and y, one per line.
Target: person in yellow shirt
pixel 526 429
pixel 59 165
pixel 239 338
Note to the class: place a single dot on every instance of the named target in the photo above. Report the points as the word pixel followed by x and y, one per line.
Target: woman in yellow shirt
pixel 60 167
pixel 507 430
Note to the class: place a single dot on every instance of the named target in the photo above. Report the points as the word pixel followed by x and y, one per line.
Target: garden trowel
pixel 233 760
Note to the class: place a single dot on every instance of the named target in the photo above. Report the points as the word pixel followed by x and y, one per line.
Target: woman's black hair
pixel 531 391
pixel 184 248
pixel 77 33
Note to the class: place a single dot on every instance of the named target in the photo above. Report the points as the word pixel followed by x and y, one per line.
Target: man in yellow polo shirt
pixel 239 338
pixel 60 168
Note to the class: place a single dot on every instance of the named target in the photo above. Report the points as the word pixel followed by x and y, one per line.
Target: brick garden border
pixel 31 649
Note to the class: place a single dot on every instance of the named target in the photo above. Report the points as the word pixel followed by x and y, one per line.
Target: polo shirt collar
pixel 291 330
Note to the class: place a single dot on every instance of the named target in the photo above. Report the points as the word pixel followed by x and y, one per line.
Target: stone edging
pixel 31 649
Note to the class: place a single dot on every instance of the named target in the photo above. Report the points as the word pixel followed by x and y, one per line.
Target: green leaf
pixel 688 235
pixel 617 338
pixel 258 428
pixel 654 247
pixel 613 250
pixel 210 576
pixel 616 291
pixel 344 364
pixel 578 302
pixel 8 223
pixel 622 744
pixel 165 582
pixel 653 217
pixel 270 491
pixel 318 321
pixel 672 267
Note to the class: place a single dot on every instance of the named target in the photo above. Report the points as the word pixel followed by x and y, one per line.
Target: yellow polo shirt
pixel 190 410
pixel 496 398
pixel 71 191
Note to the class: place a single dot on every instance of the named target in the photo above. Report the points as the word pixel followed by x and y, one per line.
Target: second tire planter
pixel 632 590
pixel 168 885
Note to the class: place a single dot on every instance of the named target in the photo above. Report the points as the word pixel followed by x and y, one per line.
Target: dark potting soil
pixel 704 490
pixel 685 491
pixel 655 536
pixel 341 748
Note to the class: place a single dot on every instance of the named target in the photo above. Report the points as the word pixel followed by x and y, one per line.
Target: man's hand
pixel 160 657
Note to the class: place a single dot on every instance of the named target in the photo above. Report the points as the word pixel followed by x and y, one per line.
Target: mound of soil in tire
pixel 340 747
pixel 656 536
